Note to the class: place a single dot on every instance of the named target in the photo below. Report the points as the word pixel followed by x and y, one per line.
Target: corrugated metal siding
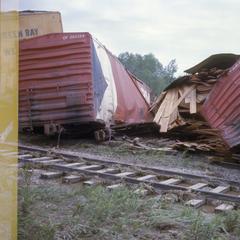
pixel 71 78
pixel 56 80
pixel 222 108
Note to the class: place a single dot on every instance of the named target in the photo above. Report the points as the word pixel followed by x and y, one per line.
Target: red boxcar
pixel 222 108
pixel 72 80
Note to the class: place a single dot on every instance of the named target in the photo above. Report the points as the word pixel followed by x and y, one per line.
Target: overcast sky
pixel 186 30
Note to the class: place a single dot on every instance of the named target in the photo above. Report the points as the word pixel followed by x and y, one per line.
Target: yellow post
pixel 8 118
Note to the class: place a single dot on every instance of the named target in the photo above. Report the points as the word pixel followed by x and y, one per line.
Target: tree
pixel 149 69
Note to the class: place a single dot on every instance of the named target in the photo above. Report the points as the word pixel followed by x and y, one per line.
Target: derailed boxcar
pixel 222 108
pixel 71 80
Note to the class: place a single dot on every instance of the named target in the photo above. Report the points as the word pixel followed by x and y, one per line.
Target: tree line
pixel 149 69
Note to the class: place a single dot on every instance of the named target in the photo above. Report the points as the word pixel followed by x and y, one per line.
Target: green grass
pixel 217 227
pixel 28 228
pixel 58 211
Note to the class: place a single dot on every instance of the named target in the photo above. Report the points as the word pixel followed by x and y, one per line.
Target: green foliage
pixel 149 69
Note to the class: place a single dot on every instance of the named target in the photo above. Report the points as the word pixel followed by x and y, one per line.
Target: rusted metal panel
pixel 56 84
pixel 70 78
pixel 37 23
pixel 221 109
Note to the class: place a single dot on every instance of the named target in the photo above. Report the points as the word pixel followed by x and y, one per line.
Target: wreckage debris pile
pixel 178 112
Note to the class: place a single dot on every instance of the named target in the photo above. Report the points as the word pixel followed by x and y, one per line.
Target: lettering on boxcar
pixel 29 32
pixel 73 36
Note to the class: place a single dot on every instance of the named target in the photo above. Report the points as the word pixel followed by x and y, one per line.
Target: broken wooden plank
pixel 182 97
pixel 171 98
pixel 193 101
pixel 160 111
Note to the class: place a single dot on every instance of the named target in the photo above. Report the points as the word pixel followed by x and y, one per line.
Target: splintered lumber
pixel 158 101
pixel 177 112
pixel 168 112
pixel 193 101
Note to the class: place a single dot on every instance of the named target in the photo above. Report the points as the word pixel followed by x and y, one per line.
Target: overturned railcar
pixel 71 81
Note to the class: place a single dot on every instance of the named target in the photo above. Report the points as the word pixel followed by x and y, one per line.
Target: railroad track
pixel 230 164
pixel 221 193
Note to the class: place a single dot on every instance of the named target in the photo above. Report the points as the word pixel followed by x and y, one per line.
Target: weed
pixel 229 222
pixel 189 213
pixel 103 206
pixel 25 192
pixel 27 227
pixel 198 230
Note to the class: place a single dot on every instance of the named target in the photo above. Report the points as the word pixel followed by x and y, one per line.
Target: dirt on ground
pixel 122 150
